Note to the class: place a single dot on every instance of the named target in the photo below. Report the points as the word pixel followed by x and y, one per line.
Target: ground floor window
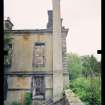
pixel 38 87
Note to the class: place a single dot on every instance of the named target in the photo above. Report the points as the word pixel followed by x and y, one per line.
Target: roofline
pixel 33 31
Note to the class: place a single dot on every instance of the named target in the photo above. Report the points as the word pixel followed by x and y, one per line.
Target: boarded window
pixel 39 55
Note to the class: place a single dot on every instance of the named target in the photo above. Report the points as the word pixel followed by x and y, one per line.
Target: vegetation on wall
pixel 85 78
pixel 28 98
pixel 7 48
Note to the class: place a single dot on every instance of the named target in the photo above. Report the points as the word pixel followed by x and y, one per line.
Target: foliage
pixel 86 66
pixel 7 49
pixel 74 66
pixel 85 78
pixel 88 91
pixel 28 98
pixel 15 103
pixel 90 66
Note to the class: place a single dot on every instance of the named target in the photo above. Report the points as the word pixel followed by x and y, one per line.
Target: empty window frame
pixel 38 87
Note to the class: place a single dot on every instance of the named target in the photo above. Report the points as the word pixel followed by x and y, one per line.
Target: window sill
pixel 38 97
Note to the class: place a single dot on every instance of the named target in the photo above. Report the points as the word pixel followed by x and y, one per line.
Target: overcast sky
pixel 82 17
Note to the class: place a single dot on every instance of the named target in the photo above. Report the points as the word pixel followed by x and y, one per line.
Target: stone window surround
pixel 43 57
pixel 38 96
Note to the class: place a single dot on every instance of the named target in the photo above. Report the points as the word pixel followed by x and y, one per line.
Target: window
pixel 38 88
pixel 8 54
pixel 39 54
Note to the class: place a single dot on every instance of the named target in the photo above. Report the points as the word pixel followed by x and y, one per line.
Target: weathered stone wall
pixel 16 82
pixel 64 60
pixel 23 52
pixel 22 64
pixel 72 99
pixel 17 96
pixel 48 87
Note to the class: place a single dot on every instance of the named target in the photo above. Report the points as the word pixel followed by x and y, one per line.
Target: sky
pixel 82 17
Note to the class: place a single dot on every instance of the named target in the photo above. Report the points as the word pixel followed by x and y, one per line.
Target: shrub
pixel 28 98
pixel 88 90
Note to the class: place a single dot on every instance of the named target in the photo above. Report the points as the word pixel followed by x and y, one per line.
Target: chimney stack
pixel 50 20
pixel 57 53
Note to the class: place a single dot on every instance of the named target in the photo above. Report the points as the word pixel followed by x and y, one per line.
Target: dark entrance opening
pixel 38 87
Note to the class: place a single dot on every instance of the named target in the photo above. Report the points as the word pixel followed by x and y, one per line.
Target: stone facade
pixel 21 74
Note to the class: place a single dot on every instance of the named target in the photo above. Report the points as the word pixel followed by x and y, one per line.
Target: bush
pixel 89 90
pixel 74 66
pixel 27 98
pixel 15 103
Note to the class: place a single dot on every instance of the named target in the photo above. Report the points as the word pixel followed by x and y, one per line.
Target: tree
pixel 90 66
pixel 74 66
pixel 85 78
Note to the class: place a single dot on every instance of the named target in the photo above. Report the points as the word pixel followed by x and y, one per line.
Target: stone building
pixel 38 61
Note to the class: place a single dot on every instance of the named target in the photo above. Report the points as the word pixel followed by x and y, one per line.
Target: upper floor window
pixel 39 54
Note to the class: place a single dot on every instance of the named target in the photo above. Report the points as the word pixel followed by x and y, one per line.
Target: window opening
pixel 39 55
pixel 38 87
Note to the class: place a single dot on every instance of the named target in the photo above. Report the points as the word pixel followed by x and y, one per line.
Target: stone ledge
pixel 32 31
pixel 72 98
pixel 25 73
